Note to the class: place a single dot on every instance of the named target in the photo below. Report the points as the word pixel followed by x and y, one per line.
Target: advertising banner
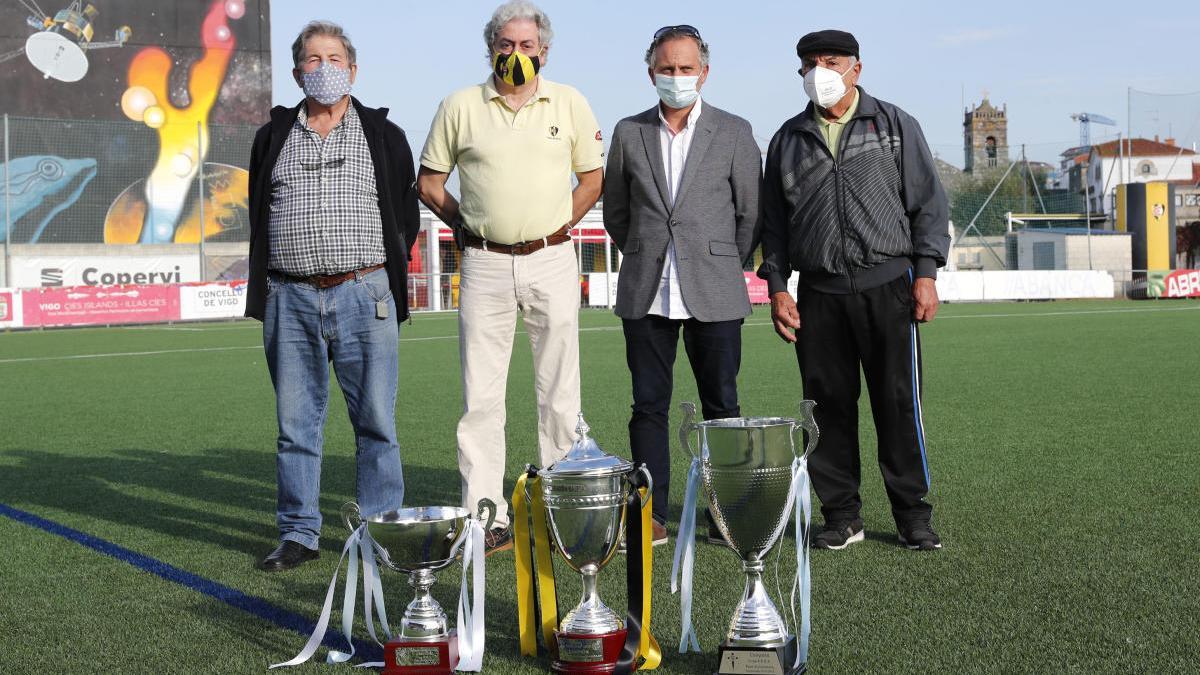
pixel 99 305
pixel 212 301
pixel 1024 285
pixel 1173 284
pixel 10 308
pixel 102 270
pixel 757 288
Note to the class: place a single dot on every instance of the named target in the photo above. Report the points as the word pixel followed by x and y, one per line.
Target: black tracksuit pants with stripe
pixel 874 329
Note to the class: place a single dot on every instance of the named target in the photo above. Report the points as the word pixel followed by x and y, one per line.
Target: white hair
pixel 517 9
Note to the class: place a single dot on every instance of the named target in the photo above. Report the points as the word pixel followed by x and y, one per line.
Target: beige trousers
pixel 544 287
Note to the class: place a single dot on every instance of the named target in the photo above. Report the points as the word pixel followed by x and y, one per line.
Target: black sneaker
pixel 496 540
pixel 918 535
pixel 839 534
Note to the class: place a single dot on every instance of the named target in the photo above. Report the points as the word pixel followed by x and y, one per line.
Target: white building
pixel 1142 161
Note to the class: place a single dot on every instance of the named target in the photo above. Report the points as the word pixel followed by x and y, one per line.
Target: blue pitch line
pixel 230 596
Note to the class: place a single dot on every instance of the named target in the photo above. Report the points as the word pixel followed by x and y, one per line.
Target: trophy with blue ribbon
pixel 416 541
pixel 754 481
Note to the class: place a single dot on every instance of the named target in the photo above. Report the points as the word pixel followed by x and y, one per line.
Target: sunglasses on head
pixel 682 28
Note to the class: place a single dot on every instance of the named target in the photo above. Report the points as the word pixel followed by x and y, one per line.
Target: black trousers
pixel 714 350
pixel 875 329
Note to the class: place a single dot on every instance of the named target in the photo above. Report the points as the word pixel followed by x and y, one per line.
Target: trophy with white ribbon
pixel 754 481
pixel 416 541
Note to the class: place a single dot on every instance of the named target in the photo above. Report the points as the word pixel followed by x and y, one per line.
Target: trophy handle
pixel 489 507
pixel 686 427
pixel 649 482
pixel 351 515
pixel 808 423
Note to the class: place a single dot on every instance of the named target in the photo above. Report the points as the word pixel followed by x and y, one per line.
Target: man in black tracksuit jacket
pixel 863 219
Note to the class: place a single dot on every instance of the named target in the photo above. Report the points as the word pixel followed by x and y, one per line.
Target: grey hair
pixel 672 35
pixel 517 9
pixel 315 28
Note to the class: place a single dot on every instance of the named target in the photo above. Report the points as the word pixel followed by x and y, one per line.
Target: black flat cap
pixel 827 42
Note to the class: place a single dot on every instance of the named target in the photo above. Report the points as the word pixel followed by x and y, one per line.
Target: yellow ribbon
pixel 547 599
pixel 526 620
pixel 528 504
pixel 649 653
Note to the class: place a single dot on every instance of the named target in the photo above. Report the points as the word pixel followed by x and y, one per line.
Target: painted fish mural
pixel 40 187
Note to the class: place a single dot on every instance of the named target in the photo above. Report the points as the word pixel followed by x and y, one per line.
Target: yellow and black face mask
pixel 516 68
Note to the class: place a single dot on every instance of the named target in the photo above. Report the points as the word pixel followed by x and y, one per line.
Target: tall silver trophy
pixel 419 541
pixel 752 476
pixel 586 493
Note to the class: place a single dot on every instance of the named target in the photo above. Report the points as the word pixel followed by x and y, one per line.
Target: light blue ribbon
pixel 470 602
pixel 801 498
pixel 685 554
pixel 359 541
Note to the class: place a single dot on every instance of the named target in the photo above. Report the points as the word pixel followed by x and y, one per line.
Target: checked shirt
pixel 324 212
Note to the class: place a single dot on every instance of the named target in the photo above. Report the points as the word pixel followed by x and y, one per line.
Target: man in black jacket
pixel 333 214
pixel 852 202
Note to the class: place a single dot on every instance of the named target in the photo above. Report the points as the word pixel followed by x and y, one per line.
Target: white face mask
pixel 824 86
pixel 677 92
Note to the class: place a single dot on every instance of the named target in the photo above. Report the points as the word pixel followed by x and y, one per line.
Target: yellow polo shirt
pixel 514 167
pixel 832 130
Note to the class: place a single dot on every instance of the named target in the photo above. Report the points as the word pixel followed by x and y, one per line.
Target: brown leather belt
pixel 331 280
pixel 559 236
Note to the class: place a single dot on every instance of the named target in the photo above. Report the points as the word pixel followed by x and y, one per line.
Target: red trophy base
pixel 588 653
pixel 406 656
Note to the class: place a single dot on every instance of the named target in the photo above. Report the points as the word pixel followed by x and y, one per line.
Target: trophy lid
pixel 586 458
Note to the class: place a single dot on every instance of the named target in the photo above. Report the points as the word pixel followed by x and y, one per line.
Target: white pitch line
pixel 591 329
pixel 1130 310
pixel 71 357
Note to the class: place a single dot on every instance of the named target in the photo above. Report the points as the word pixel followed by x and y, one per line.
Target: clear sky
pixel 1045 60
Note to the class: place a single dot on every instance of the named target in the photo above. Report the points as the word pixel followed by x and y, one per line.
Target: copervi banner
pixel 56 271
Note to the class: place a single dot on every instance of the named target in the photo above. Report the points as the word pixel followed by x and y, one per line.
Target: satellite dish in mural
pixel 58 47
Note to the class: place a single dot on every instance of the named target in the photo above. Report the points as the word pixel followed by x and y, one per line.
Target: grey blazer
pixel 714 221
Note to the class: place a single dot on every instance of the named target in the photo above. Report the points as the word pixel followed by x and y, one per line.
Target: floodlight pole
pixel 608 294
pixel 200 161
pixel 433 245
pixel 7 209
pixel 1087 208
pixel 1129 131
pixel 1024 180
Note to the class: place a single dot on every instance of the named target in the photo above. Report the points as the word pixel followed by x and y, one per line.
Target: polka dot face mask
pixel 327 84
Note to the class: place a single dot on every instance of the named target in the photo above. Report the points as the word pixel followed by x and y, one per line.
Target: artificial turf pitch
pixel 1062 449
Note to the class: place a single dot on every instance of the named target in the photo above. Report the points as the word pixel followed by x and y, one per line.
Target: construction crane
pixel 1086 120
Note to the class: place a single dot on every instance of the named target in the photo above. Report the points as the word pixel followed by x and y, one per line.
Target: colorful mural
pixel 182 131
pixel 154 133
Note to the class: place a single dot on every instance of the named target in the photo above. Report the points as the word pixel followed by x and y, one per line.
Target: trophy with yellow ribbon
pixel 583 504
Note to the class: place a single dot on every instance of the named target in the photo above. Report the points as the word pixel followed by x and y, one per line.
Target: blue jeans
pixel 304 330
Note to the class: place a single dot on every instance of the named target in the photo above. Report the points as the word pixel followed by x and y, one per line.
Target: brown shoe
pixel 496 540
pixel 658 536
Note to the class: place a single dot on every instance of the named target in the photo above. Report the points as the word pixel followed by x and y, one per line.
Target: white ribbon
pixel 470 601
pixel 801 499
pixel 359 541
pixel 685 553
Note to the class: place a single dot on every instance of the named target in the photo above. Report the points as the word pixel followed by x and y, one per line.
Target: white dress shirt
pixel 668 302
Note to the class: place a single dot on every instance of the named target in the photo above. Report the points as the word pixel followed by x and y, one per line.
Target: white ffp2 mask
pixel 824 86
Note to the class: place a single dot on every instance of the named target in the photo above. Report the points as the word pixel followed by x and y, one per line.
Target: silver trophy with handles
pixel 754 477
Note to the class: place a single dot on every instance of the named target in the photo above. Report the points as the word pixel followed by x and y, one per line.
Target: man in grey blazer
pixel 681 202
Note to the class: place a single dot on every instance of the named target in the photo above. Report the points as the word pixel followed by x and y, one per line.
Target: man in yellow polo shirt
pixel 515 140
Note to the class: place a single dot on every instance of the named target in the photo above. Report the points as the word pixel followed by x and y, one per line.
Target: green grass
pixel 1062 448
